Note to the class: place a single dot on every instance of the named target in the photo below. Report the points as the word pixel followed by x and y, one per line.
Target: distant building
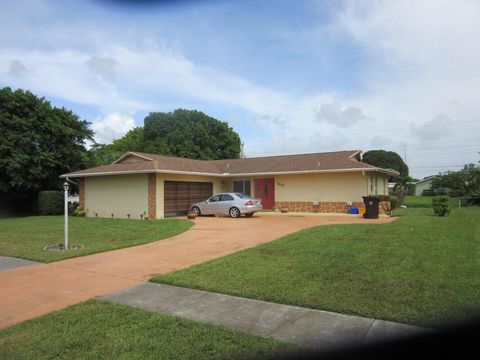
pixel 424 184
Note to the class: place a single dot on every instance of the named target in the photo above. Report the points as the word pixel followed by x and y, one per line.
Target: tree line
pixel 39 142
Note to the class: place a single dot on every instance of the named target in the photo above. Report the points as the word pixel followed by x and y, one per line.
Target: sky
pixel 288 76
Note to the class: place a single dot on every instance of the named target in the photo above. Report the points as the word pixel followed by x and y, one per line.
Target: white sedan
pixel 233 204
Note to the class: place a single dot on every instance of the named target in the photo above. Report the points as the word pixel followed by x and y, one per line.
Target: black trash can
pixel 371 207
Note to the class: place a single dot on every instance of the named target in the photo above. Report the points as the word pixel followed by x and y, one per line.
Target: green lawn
pixel 25 237
pixel 420 269
pixel 101 330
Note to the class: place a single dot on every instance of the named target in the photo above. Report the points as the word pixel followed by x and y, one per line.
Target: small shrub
pixel 50 202
pixel 383 197
pixel 393 202
pixel 441 205
pixel 79 211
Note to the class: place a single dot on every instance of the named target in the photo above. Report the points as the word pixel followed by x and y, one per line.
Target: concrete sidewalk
pixel 7 262
pixel 315 329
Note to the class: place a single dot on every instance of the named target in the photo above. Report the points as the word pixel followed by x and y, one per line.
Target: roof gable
pixel 131 156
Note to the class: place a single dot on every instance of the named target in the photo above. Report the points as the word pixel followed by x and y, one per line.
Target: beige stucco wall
pixel 376 184
pixel 119 195
pixel 161 178
pixel 128 194
pixel 320 187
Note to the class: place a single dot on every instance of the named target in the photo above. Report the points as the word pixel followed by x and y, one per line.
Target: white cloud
pixel 333 113
pixel 422 63
pixel 17 68
pixel 437 128
pixel 104 67
pixel 111 127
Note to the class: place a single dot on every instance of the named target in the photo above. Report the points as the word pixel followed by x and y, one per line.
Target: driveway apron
pixel 31 291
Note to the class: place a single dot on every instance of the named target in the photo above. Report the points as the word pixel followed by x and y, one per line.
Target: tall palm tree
pixel 401 187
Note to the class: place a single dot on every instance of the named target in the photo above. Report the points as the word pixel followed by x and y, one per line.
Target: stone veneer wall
pixel 81 193
pixel 384 207
pixel 325 207
pixel 152 196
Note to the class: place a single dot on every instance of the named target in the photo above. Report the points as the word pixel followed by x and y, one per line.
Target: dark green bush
pixel 429 192
pixel 72 206
pixel 473 198
pixel 393 202
pixel 50 202
pixel 441 205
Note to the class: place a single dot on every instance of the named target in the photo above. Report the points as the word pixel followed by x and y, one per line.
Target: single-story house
pixel 140 185
pixel 424 184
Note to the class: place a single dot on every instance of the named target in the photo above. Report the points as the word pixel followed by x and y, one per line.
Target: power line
pixel 474 150
pixel 415 149
pixel 451 153
pixel 369 132
pixel 446 147
pixel 437 167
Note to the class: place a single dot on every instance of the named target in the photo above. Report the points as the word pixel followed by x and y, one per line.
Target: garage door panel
pixel 178 195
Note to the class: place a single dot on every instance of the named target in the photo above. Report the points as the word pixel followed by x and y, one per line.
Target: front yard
pixel 420 269
pixel 101 330
pixel 25 237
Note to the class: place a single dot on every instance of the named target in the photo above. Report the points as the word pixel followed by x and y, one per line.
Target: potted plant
pixel 191 215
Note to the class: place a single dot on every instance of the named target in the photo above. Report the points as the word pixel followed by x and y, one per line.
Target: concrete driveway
pixel 31 291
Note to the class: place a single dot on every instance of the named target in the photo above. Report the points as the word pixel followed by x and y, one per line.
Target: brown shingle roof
pixel 339 160
pixel 328 161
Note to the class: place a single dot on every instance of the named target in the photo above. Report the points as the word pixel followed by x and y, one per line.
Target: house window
pixel 242 186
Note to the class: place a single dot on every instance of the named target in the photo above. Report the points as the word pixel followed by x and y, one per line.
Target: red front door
pixel 265 190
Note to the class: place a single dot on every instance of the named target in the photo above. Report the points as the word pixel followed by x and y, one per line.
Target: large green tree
pixel 102 154
pixel 190 134
pixel 465 182
pixel 183 133
pixel 386 160
pixel 38 142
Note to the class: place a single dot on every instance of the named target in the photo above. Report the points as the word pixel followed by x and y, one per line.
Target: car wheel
pixel 249 215
pixel 196 210
pixel 234 212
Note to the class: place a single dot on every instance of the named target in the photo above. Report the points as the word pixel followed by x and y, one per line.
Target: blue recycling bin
pixel 353 210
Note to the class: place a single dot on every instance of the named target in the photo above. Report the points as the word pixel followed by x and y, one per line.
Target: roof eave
pixel 148 171
pixel 223 175
pixel 387 171
pixel 227 175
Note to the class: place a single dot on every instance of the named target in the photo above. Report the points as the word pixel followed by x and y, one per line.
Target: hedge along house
pixel 140 185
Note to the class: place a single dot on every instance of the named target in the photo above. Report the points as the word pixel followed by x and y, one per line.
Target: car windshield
pixel 243 196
